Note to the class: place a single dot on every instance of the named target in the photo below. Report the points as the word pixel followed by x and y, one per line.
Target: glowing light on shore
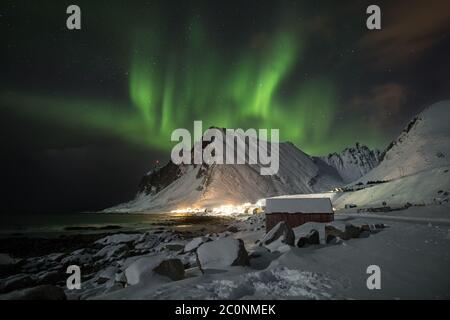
pixel 225 210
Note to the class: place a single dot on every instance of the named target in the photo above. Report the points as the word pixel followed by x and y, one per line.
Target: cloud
pixel 409 29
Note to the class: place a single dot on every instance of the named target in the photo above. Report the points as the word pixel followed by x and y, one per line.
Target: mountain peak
pixel 353 162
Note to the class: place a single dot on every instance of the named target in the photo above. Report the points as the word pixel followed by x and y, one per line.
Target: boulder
pixel 51 277
pixel 149 266
pixel 106 274
pixel 16 282
pixel 120 278
pixel 221 254
pixel 172 268
pixel 352 231
pixel 43 292
pixel 331 230
pixel 174 247
pixel 195 243
pixel 119 238
pixel 312 237
pixel 364 234
pixel 112 250
pixel 349 231
pixel 331 239
pixel 281 231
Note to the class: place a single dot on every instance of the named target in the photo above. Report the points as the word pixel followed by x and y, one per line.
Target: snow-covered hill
pixel 415 168
pixel 423 145
pixel 354 162
pixel 206 186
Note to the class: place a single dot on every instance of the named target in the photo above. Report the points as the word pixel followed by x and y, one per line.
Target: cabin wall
pixel 296 219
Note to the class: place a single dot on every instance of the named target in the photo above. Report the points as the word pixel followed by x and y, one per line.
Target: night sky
pixel 84 114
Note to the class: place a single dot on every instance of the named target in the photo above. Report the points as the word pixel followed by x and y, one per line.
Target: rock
pixel 335 232
pixel 112 250
pixel 121 278
pixel 364 234
pixel 313 237
pixel 107 274
pixel 172 268
pixel 51 277
pixel 43 292
pixel 221 254
pixel 6 259
pixel 77 257
pixel 233 229
pixel 147 241
pixel 119 238
pixel 195 243
pixel 146 267
pixel 302 241
pixel 174 247
pixel 281 230
pixel 352 231
pixel 16 282
pixel 331 239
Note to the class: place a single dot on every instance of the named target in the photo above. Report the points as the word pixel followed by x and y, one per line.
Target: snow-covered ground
pixel 412 248
pixel 414 258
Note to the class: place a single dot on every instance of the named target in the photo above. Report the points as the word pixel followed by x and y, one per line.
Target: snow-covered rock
pixel 195 243
pixel 119 238
pixel 312 237
pixel 43 292
pixel 78 257
pixel 354 162
pixel 6 259
pixel 111 250
pixel 172 268
pixel 145 268
pixel 222 253
pixel 107 274
pixel 16 282
pixel 280 232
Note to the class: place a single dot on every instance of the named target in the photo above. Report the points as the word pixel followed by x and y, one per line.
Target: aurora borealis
pixel 135 72
pixel 196 82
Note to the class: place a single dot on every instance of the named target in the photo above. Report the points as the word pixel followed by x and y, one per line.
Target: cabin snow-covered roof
pixel 292 204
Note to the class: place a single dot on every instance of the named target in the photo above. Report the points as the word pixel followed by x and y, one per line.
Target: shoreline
pixel 53 225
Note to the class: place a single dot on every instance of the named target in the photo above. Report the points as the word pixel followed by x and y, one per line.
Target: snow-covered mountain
pixel 424 144
pixel 204 186
pixel 354 162
pixel 415 168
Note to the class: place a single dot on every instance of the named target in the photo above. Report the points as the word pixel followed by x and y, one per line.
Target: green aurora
pixel 171 85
